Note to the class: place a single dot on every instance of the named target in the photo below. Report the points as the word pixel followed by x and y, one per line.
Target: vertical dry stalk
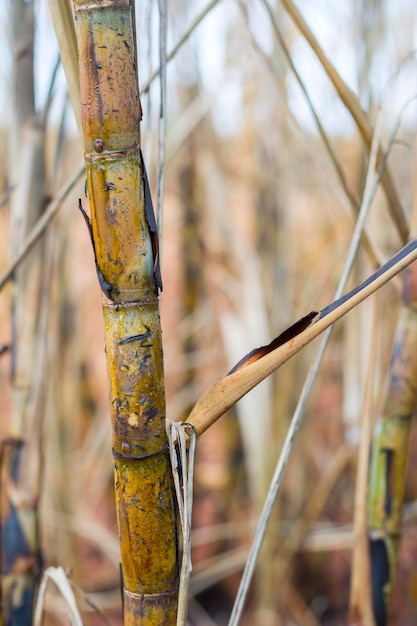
pixel 124 240
pixel 361 597
pixel 21 465
pixel 63 20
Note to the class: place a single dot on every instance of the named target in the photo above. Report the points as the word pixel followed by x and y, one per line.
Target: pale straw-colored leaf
pixel 60 580
pixel 182 440
pixel 63 21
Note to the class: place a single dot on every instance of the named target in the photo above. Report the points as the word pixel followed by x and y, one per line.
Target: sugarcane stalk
pixel 390 451
pixel 123 233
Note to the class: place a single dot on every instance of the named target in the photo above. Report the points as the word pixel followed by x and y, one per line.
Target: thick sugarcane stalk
pixel 390 451
pixel 124 239
pixel 21 452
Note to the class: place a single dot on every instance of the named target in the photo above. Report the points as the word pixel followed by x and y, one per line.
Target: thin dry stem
pixel 162 112
pixel 361 592
pixel 196 22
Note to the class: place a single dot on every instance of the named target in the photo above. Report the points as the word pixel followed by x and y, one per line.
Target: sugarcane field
pixel 208 313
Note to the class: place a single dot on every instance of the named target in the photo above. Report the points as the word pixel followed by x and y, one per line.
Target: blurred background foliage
pixel 256 226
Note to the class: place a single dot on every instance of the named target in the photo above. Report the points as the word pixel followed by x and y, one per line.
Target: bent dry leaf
pixel 260 363
pixel 289 333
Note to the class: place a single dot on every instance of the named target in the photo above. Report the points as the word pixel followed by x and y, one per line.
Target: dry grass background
pixel 256 228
